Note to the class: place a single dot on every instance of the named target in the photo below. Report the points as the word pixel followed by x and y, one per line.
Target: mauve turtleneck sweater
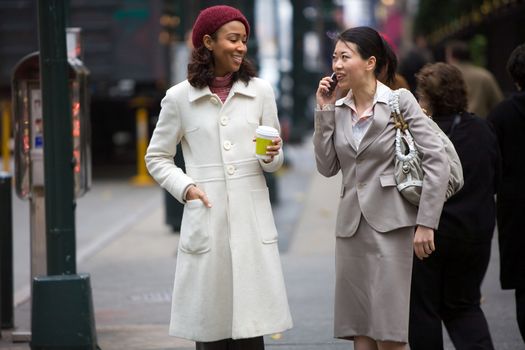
pixel 221 86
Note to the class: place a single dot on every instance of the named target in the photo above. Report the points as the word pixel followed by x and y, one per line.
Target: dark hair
pixel 201 68
pixel 459 50
pixel 516 65
pixel 369 43
pixel 443 85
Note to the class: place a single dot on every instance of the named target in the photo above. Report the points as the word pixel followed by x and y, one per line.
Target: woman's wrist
pixel 325 107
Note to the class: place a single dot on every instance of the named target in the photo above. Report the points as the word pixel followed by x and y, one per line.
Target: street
pixel 123 243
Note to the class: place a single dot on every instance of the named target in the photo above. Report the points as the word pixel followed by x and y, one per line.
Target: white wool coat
pixel 228 279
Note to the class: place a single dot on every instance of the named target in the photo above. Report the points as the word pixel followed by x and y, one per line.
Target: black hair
pixel 459 50
pixel 370 43
pixel 516 65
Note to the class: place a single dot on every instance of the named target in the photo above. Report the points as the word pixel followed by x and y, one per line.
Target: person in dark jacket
pixel 446 286
pixel 508 119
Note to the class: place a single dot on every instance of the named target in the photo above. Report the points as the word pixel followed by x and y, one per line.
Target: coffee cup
pixel 264 136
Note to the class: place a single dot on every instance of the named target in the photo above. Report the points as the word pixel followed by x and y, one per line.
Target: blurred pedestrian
pixel 229 289
pixel 482 88
pixel 508 119
pixel 375 227
pixel 446 286
pixel 413 60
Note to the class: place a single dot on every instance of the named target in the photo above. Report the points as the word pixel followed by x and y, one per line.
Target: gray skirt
pixel 372 291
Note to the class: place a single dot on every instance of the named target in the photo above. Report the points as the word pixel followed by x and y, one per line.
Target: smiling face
pixel 228 48
pixel 351 69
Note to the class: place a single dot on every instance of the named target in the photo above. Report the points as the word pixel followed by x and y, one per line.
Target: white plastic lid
pixel 267 131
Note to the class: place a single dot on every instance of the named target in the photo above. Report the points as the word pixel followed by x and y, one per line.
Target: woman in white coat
pixel 229 289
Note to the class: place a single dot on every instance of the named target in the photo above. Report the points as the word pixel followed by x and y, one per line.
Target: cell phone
pixel 333 84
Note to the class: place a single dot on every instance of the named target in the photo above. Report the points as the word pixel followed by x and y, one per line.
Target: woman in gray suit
pixel 377 230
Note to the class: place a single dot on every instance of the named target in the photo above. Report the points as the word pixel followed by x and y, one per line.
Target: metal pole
pixel 6 252
pixel 142 178
pixel 37 225
pixel 58 148
pixel 62 306
pixel 6 133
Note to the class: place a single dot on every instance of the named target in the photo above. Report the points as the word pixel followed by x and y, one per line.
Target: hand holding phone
pixel 333 84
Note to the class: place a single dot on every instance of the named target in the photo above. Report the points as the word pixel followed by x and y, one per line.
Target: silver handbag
pixel 407 160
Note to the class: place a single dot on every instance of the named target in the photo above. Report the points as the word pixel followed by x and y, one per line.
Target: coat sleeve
pixel 325 154
pixel 493 93
pixel 162 148
pixel 269 118
pixel 436 168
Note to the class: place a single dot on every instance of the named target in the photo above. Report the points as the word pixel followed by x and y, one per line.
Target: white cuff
pixel 326 107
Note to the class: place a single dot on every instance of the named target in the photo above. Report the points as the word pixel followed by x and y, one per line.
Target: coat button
pixel 230 169
pixel 224 120
pixel 227 145
pixel 214 100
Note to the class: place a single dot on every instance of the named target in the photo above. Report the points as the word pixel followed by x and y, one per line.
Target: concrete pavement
pixel 132 270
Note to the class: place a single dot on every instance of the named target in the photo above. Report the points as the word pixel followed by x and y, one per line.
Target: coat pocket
pixel 387 180
pixel 264 216
pixel 194 232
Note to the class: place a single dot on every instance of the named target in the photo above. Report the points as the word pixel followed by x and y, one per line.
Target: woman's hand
pixel 424 242
pixel 196 193
pixel 322 95
pixel 273 150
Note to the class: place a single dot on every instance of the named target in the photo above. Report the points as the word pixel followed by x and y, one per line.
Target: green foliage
pixel 433 14
pixel 478 49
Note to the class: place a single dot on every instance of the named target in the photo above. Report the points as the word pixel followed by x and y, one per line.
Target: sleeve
pixel 494 93
pixel 162 149
pixel 269 118
pixel 434 160
pixel 495 123
pixel 498 171
pixel 324 130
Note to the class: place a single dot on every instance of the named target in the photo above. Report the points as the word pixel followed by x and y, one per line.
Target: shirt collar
pixel 382 95
pixel 239 87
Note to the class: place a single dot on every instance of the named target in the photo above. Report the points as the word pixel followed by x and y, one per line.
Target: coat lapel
pixel 196 93
pixel 343 114
pixel 240 87
pixel 381 118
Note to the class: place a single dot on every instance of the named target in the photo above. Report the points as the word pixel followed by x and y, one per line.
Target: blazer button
pixel 227 145
pixel 224 120
pixel 230 169
pixel 214 100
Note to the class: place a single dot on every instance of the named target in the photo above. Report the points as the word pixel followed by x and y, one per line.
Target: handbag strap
pixel 402 132
pixel 399 120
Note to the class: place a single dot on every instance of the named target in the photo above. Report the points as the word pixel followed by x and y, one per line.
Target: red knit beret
pixel 212 18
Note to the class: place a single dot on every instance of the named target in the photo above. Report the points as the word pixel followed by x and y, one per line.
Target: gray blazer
pixel 368 186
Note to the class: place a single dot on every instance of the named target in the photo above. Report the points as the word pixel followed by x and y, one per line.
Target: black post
pixel 58 148
pixel 6 252
pixel 62 306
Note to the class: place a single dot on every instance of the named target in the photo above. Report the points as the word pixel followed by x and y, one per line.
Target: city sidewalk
pixel 132 275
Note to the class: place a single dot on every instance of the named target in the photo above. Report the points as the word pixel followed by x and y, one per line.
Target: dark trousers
pixel 256 343
pixel 446 287
pixel 520 310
